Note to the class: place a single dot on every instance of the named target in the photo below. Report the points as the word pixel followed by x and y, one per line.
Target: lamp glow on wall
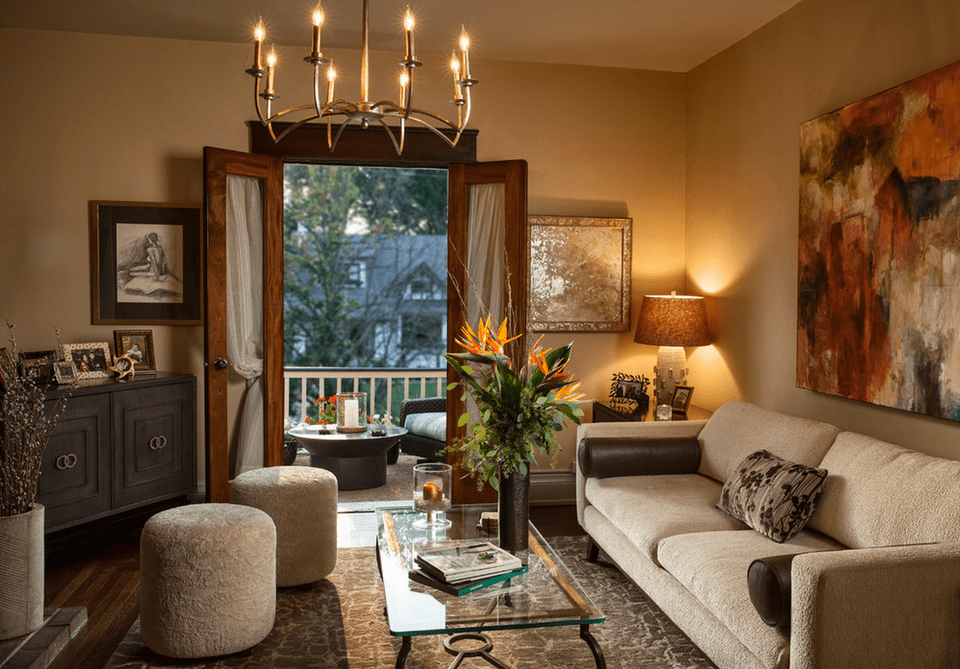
pixel 671 322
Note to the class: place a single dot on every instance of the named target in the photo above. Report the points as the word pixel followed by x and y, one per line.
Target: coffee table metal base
pixel 460 654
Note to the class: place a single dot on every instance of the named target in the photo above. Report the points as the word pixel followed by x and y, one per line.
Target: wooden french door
pixel 512 174
pixel 219 165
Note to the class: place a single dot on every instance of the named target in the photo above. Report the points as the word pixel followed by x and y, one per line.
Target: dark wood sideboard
pixel 119 445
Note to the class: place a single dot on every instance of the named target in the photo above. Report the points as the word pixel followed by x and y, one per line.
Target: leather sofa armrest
pixel 768 580
pixel 600 457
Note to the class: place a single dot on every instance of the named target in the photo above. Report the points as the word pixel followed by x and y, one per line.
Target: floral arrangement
pixel 25 429
pixel 517 412
pixel 326 411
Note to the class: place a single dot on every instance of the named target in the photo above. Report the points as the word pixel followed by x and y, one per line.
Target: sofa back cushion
pixel 880 494
pixel 738 429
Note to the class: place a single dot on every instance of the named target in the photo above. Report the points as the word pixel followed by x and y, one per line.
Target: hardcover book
pixel 463 587
pixel 467 562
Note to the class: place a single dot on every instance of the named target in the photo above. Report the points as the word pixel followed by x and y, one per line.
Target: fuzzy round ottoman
pixel 207 580
pixel 303 503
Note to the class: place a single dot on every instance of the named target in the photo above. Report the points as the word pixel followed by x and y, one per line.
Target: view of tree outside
pixel 365 264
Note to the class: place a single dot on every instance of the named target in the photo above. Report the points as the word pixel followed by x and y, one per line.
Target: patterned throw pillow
pixel 773 496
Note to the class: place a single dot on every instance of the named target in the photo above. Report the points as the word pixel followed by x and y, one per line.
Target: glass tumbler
pixel 431 493
pixel 664 412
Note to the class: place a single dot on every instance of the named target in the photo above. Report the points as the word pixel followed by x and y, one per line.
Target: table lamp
pixel 671 322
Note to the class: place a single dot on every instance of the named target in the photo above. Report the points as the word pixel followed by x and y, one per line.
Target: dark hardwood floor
pixel 100 569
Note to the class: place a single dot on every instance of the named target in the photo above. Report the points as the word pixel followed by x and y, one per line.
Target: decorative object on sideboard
pixel 630 392
pixel 363 111
pixel 25 429
pixel 92 360
pixel 138 344
pixel 125 367
pixel 39 365
pixel 579 274
pixel 877 316
pixel 146 263
pixel 671 322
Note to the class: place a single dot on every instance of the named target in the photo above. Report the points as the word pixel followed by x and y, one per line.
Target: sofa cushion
pixel 430 425
pixel 737 429
pixel 879 494
pixel 713 567
pixel 649 508
pixel 773 496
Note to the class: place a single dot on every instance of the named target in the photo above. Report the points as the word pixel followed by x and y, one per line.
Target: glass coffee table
pixel 546 596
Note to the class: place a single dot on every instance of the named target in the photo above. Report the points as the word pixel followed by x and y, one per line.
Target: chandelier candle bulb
pixel 408 26
pixel 465 48
pixel 271 63
pixel 455 66
pixel 317 22
pixel 331 79
pixel 258 34
pixel 403 90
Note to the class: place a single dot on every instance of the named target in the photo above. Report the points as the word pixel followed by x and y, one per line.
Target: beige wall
pixel 111 118
pixel 745 108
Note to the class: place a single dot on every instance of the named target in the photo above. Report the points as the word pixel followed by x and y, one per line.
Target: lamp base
pixel 671 370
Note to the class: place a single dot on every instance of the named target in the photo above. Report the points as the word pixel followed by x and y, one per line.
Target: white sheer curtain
pixel 486 254
pixel 245 313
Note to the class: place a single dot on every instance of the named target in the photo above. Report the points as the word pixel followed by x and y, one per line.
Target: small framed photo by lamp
pixel 671 322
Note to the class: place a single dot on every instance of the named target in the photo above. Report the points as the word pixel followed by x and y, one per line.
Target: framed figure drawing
pixel 579 274
pixel 146 262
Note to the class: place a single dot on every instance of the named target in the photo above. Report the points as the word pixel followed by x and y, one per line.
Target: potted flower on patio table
pixel 518 413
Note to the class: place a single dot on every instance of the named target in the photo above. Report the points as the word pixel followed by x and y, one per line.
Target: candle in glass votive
pixel 351 413
pixel 432 492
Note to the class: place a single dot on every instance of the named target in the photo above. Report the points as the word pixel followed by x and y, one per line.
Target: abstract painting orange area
pixel 878 316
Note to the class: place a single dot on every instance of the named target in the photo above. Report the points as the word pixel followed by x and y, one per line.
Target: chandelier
pixel 362 112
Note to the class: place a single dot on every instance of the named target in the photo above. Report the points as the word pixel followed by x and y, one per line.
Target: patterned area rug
pixel 339 623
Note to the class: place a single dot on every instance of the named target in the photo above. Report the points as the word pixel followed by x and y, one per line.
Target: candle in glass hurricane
pixel 431 485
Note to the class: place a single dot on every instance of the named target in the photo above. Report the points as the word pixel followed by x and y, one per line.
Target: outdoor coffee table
pixel 546 596
pixel 357 459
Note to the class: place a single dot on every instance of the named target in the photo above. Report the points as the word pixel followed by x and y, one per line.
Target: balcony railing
pixel 386 388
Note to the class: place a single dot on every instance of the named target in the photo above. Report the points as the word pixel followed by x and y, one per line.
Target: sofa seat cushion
pixel 649 508
pixel 713 567
pixel 430 425
pixel 880 494
pixel 738 429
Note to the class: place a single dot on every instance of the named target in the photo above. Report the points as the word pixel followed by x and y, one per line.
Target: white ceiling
pixel 671 35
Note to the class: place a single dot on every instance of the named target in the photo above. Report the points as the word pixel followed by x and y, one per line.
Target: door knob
pixel 220 363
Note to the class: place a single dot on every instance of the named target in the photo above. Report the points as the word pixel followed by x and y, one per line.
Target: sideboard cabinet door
pixel 75 470
pixel 154 433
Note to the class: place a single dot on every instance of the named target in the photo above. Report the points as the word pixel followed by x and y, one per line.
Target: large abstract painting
pixel 879 276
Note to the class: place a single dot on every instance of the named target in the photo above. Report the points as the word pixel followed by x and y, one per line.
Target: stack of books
pixel 466 567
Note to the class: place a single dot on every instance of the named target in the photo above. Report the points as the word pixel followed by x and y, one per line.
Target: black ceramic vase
pixel 514 511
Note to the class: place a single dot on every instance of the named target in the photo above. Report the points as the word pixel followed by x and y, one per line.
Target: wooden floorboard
pixel 106 580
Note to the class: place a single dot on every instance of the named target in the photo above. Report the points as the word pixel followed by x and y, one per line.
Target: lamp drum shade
pixel 678 320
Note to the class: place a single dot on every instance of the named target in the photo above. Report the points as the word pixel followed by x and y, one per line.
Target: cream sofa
pixel 877 583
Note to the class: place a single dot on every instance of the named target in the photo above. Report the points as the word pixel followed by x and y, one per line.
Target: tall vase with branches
pixel 518 412
pixel 25 429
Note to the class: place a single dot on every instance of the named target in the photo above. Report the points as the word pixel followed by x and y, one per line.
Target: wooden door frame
pixel 218 163
pixel 513 174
